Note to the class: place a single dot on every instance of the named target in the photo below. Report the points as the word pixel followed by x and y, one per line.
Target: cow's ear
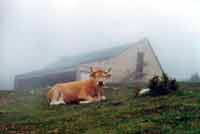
pixel 109 70
pixel 92 74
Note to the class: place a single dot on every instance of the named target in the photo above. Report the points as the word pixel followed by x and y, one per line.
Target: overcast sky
pixel 34 33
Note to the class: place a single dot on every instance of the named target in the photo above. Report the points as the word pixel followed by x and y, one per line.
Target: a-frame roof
pixel 66 64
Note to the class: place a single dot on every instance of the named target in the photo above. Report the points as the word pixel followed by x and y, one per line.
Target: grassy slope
pixel 121 113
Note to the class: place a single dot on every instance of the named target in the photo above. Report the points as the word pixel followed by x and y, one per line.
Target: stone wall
pixel 44 81
pixel 124 65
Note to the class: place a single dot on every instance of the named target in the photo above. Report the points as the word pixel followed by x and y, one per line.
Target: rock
pixel 116 103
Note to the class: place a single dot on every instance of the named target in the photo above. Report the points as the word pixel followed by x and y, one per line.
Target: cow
pixel 81 92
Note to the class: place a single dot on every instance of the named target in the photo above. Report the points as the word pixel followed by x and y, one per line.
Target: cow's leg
pixel 88 99
pixel 54 103
pixel 58 98
pixel 53 100
pixel 61 99
pixel 99 93
pixel 102 97
pixel 85 102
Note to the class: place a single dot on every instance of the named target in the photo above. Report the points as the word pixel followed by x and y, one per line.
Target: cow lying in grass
pixel 84 91
pixel 158 86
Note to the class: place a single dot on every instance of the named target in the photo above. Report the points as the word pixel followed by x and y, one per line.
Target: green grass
pixel 122 113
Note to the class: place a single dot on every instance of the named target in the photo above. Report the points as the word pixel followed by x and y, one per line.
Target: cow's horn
pixel 109 69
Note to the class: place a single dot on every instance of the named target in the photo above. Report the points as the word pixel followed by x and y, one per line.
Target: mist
pixel 36 33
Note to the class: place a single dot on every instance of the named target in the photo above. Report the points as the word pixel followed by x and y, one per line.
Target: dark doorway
pixel 140 65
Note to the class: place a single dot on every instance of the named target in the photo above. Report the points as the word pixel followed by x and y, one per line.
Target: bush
pixel 162 86
pixel 195 78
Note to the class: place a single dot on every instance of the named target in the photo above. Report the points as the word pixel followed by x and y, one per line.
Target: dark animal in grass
pixel 173 85
pixel 159 86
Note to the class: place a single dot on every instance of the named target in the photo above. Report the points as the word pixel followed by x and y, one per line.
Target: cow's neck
pixel 93 81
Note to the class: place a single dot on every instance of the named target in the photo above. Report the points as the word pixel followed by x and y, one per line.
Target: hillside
pixel 122 113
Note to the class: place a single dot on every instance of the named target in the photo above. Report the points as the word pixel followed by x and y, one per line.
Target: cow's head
pixel 100 75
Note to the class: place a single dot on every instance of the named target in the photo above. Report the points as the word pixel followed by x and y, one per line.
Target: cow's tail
pixel 49 96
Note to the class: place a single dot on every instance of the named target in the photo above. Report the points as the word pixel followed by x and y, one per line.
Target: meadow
pixel 27 111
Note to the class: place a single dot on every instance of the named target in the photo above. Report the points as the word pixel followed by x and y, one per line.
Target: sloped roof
pixel 69 63
pixel 43 72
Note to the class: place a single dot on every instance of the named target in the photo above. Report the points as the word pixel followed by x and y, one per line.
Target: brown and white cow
pixel 84 91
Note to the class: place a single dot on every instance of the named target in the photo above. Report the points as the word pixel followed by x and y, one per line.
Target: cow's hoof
pixel 103 98
pixel 61 102
pixel 57 103
pixel 53 103
pixel 84 102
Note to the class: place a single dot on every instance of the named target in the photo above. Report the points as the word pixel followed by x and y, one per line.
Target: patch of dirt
pixel 20 128
pixel 116 103
pixel 4 100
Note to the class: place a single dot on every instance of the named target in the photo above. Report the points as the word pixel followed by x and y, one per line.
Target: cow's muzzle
pixel 100 83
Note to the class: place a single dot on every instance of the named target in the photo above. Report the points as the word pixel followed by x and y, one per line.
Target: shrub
pixel 162 86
